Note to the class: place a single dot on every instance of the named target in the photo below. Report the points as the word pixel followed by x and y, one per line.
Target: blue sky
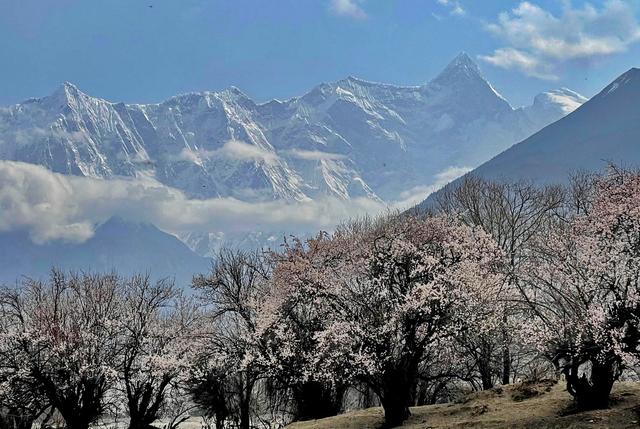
pixel 124 50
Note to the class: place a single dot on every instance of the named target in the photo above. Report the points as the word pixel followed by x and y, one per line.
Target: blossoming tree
pixel 381 294
pixel 584 290
pixel 65 341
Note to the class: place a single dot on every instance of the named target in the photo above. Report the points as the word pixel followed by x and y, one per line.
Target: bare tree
pixel 513 213
pixel 154 346
pixel 232 291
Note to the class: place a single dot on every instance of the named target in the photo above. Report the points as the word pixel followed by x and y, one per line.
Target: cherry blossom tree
pixel 21 402
pixel 380 295
pixel 64 337
pixel 584 290
pixel 297 308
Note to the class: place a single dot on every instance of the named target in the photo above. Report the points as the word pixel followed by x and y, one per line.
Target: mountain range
pixel 350 138
pixel 347 139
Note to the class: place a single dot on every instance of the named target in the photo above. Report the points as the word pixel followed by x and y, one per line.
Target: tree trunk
pixel 487 380
pixel 140 424
pixel 397 392
pixel 506 365
pixel 76 424
pixel 245 415
pixel 506 354
pixel 396 408
pixel 220 419
pixel 316 400
pixel 484 368
pixel 592 390
pixel 245 401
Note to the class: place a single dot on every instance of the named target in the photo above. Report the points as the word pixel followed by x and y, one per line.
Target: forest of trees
pixel 498 283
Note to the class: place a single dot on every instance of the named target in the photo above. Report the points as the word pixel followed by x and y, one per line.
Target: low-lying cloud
pixel 53 206
pixel 232 149
pixel 416 195
pixel 314 155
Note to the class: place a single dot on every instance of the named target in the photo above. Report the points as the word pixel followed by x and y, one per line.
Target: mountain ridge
pixel 347 139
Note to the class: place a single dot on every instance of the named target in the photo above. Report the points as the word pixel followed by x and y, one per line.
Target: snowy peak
pixel 461 69
pixel 565 98
pixel 66 94
pixel 604 129
pixel 554 104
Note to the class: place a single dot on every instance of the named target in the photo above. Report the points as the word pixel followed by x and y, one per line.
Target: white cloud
pixel 418 194
pixel 54 206
pixel 454 6
pixel 539 42
pixel 349 8
pixel 314 155
pixel 194 155
pixel 232 149
pixel 509 58
pixel 235 149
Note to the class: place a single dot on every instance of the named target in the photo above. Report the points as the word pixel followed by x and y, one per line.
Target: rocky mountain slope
pixel 344 140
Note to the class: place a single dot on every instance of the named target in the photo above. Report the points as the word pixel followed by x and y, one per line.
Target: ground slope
pixel 550 407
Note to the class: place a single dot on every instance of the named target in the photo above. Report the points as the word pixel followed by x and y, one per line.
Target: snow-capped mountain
pixel 605 129
pixel 350 138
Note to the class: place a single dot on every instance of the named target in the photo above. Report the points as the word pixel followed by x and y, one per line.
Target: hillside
pixel 550 407
pixel 130 248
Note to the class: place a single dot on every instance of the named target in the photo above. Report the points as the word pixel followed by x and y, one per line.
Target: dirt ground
pixel 540 406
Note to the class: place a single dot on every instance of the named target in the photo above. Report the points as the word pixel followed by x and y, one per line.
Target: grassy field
pixel 540 406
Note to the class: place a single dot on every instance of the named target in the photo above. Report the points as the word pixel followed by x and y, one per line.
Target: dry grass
pixel 526 406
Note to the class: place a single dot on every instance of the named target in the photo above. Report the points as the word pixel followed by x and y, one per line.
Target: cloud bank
pixel 54 206
pixel 314 155
pixel 418 194
pixel 539 42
